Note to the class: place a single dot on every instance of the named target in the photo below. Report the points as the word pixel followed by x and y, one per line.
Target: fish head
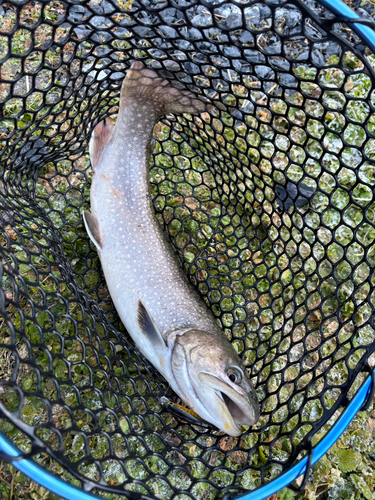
pixel 213 381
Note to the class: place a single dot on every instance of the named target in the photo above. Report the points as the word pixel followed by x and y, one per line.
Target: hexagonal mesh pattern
pixel 268 200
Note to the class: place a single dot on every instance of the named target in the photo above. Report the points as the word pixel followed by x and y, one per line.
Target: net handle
pixel 352 20
pixel 48 480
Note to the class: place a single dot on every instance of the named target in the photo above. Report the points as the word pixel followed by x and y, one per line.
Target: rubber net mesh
pixel 290 279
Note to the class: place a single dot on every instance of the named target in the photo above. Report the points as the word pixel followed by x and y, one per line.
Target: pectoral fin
pixel 93 228
pixel 148 327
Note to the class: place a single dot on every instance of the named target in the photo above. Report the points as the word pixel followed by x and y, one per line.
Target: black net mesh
pixel 268 199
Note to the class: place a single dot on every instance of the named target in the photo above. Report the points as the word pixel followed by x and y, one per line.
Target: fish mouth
pixel 234 408
pixel 239 416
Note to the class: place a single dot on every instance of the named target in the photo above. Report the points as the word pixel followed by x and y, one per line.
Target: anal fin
pixel 93 228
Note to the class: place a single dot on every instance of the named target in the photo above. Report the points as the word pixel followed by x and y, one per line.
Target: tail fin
pixel 146 87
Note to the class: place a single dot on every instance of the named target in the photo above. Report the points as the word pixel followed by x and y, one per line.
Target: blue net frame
pixel 259 74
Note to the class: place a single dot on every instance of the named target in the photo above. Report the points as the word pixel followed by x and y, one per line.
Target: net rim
pixel 340 9
pixel 70 492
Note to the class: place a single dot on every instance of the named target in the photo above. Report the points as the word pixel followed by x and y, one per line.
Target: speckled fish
pixel 161 310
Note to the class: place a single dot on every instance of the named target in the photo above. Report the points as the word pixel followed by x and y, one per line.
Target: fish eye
pixel 234 375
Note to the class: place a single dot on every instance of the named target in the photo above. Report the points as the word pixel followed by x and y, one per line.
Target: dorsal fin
pixel 101 136
pixel 93 228
pixel 148 327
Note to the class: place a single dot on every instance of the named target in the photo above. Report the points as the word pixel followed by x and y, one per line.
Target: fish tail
pixel 146 87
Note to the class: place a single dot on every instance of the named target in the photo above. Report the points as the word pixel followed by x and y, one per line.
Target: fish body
pixel 160 309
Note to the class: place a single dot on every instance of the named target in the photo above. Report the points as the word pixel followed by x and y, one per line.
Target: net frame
pixel 54 484
pixel 366 35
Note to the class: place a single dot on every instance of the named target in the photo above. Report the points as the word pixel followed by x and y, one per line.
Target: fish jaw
pixel 237 408
pixel 200 362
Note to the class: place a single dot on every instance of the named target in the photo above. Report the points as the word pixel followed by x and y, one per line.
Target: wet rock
pixel 258 17
pixel 144 31
pixel 173 16
pixel 264 72
pixel 167 31
pixel 76 13
pixel 100 36
pixel 269 43
pixel 199 16
pixel 191 33
pixel 233 52
pixel 82 32
pixel 322 52
pixel 117 76
pixel 254 56
pixel 191 68
pixel 216 35
pixel 147 18
pixel 287 80
pixel 290 194
pixel 228 16
pixel 279 63
pixel 243 38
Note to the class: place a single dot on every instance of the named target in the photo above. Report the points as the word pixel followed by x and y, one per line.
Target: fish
pixel 161 310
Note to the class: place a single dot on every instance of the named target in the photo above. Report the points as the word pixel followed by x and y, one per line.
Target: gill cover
pixel 203 365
